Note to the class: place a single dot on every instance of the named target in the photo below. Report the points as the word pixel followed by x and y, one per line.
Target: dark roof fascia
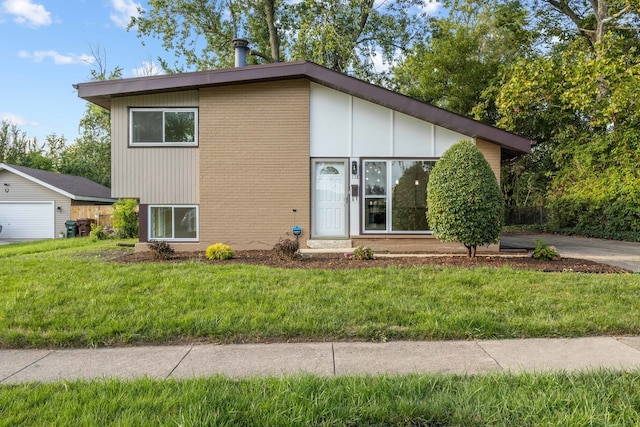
pixel 74 187
pixel 100 93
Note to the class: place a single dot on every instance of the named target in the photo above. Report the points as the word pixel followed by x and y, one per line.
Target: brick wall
pixel 492 154
pixel 254 163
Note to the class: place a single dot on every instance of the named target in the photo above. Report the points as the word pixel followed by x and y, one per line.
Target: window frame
pixel 388 196
pixel 173 223
pixel 164 110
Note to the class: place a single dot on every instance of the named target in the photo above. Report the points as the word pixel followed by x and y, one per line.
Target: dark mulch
pixel 335 261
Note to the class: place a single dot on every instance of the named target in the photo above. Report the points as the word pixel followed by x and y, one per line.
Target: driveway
pixel 612 252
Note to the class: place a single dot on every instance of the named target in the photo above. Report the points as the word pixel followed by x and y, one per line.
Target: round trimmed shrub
pixel 464 201
pixel 219 251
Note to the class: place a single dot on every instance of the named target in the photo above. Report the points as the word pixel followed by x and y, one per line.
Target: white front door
pixel 330 201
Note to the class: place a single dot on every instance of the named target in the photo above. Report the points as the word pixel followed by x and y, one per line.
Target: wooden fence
pixel 100 214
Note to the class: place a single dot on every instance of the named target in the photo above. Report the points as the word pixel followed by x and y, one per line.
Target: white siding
pixel 412 137
pixel 445 138
pixel 23 190
pixel 330 128
pixel 371 129
pixel 152 174
pixel 343 125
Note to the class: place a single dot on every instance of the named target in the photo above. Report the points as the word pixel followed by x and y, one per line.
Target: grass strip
pixel 72 296
pixel 591 398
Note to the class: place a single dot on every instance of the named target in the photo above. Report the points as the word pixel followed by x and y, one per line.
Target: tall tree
pixel 577 99
pixel 457 66
pixel 90 155
pixel 339 34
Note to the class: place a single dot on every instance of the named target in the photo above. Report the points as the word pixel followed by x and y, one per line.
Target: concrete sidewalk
pixel 328 359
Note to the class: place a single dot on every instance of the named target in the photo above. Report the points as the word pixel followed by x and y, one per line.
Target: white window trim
pixel 173 230
pixel 164 110
pixel 388 196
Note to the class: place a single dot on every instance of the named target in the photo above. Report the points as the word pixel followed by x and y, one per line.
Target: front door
pixel 330 200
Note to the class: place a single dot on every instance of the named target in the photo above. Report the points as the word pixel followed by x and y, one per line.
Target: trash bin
pixel 72 228
pixel 84 226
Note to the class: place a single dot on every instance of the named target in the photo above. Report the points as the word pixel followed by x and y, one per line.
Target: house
pixel 34 204
pixel 244 155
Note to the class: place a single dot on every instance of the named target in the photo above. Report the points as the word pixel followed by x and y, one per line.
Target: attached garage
pixel 27 220
pixel 35 204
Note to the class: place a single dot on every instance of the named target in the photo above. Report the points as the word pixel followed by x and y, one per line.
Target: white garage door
pixel 25 220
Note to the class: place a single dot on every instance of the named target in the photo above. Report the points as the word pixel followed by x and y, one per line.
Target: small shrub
pixel 161 250
pixel 362 253
pixel 544 252
pixel 287 249
pixel 98 232
pixel 219 251
pixel 125 218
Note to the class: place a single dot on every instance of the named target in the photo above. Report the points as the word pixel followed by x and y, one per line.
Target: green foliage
pixel 71 293
pixel 459 64
pixel 219 251
pixel 361 253
pixel 287 249
pixel 583 398
pixel 98 232
pixel 125 218
pixel 341 35
pixel 544 252
pixel 161 250
pixel 463 198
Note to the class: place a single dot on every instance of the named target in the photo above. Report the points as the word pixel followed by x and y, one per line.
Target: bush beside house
pixel 464 200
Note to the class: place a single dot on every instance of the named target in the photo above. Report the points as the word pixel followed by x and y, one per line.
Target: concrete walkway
pixel 327 359
pixel 612 252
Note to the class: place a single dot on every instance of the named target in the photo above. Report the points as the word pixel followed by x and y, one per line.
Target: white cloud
pixel 431 7
pixel 58 58
pixel 26 12
pixel 123 11
pixel 148 68
pixel 16 119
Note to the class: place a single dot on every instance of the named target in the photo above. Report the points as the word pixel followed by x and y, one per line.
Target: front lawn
pixel 67 293
pixel 559 399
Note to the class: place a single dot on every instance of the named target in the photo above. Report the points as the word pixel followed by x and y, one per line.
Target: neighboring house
pixel 242 155
pixel 34 204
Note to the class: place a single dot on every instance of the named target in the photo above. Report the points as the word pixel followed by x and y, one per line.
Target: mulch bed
pixel 335 261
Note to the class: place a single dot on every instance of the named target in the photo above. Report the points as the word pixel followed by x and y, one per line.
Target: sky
pixel 46 46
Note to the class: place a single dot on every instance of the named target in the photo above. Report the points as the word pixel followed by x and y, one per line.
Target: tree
pixel 339 34
pixel 90 155
pixel 464 201
pixel 17 148
pixel 457 66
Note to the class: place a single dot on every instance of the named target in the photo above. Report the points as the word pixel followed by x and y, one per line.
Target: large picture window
pixel 163 126
pixel 400 185
pixel 173 223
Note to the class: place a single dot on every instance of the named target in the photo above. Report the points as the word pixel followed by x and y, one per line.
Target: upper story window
pixel 163 126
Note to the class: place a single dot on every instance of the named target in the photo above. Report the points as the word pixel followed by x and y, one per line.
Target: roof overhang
pixel 101 93
pixel 58 190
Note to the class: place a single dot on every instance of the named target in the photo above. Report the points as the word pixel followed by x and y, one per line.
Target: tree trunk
pixel 274 37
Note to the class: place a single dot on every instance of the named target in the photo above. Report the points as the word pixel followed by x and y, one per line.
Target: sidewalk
pixel 328 359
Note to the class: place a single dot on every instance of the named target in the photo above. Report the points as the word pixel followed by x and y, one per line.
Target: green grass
pixel 66 293
pixel 551 399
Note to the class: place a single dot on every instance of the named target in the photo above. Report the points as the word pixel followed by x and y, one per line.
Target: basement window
pixel 163 126
pixel 179 223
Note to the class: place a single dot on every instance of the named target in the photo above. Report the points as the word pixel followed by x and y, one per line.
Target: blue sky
pixel 46 47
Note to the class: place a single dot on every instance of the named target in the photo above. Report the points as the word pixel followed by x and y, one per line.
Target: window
pixel 401 185
pixel 163 126
pixel 173 223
